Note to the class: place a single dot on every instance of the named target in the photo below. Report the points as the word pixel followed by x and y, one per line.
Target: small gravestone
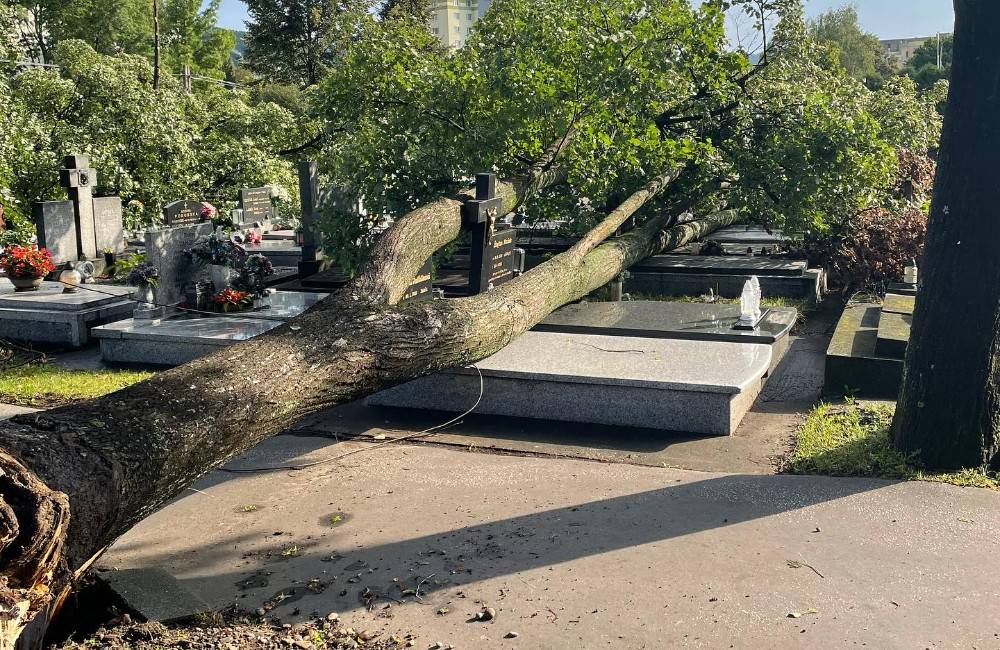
pixel 108 226
pixel 182 213
pixel 56 225
pixel 256 204
pixel 79 180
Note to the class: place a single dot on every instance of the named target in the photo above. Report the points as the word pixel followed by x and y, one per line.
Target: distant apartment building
pixel 452 20
pixel 902 49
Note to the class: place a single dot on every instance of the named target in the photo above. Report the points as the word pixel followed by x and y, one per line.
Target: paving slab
pixel 155 594
pixel 576 554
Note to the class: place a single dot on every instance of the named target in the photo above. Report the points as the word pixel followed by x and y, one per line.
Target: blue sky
pixel 886 18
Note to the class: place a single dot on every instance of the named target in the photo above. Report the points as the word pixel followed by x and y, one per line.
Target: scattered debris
pixel 483 615
pixel 511 635
pixel 237 630
pixel 796 564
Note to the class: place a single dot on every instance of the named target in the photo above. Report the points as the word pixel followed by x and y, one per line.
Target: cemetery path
pixel 577 554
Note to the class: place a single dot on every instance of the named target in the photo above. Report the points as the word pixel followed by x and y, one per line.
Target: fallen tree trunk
pixel 114 460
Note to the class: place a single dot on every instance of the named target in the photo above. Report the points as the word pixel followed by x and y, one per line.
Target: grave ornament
pixel 750 312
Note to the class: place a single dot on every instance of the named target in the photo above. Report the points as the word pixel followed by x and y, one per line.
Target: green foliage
pixel 296 41
pixel 190 37
pixel 922 66
pixel 347 237
pixel 152 146
pixel 859 52
pixel 855 440
pixel 418 11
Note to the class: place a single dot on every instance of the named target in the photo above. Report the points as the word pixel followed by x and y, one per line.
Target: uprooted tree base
pixel 116 459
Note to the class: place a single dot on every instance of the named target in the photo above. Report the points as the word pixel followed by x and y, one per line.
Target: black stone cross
pixel 79 180
pixel 479 215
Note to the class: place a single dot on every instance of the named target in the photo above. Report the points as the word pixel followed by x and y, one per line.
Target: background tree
pixel 418 10
pixel 190 37
pixel 859 52
pixel 152 146
pixel 295 41
pixel 923 65
pixel 948 411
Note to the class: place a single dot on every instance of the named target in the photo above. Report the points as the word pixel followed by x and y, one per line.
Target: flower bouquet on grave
pixel 222 254
pixel 253 274
pixel 253 238
pixel 229 300
pixel 144 277
pixel 26 266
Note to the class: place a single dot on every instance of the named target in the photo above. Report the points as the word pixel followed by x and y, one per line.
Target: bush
pixel 872 250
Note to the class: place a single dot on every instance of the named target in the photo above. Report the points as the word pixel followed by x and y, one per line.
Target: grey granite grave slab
pixel 52 317
pixel 55 222
pixel 895 303
pixel 280 235
pixel 668 320
pixel 177 340
pixel 165 249
pixel 154 594
pixel 677 385
pixel 723 265
pixel 109 230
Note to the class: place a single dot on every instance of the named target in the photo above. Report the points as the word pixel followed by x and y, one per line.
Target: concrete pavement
pixel 581 554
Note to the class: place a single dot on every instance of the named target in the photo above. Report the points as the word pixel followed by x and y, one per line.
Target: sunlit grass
pixel 854 440
pixel 42 384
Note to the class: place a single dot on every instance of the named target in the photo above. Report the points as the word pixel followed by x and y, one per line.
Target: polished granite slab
pixel 670 385
pixel 723 265
pixel 208 330
pixel 668 320
pixel 747 235
pixel 287 304
pixel 50 296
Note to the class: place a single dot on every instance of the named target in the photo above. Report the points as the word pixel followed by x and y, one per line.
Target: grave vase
pixel 26 284
pixel 221 276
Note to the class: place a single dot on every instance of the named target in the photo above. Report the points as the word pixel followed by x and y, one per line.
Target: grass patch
pixel 45 384
pixel 854 440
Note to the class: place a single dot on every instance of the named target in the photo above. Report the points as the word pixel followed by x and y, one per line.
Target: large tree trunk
pixel 114 460
pixel 949 403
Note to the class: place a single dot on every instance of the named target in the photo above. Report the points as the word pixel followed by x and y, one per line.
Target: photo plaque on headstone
pixel 182 213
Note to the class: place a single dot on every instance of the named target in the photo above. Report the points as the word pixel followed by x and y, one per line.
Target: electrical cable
pixel 331 459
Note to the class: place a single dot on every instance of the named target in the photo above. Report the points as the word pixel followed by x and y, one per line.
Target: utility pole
pixel 156 44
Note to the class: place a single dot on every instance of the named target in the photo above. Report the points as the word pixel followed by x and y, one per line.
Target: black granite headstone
pixel 491 253
pixel 182 213
pixel 256 204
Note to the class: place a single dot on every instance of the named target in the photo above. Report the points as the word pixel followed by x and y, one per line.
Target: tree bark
pixel 949 404
pixel 114 460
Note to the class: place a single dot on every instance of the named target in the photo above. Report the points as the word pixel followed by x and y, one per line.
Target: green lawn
pixel 44 384
pixel 854 440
